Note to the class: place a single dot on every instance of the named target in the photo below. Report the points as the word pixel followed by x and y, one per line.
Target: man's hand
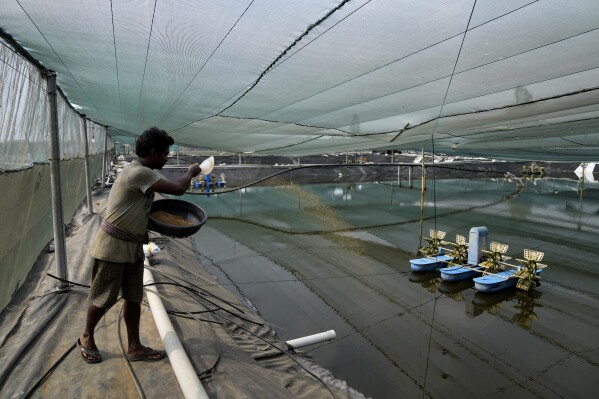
pixel 179 186
pixel 194 170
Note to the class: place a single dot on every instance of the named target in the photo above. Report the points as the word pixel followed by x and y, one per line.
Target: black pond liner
pixel 188 211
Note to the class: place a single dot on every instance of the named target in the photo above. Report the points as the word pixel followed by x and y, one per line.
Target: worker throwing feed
pixel 117 250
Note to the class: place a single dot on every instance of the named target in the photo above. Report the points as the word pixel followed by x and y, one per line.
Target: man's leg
pixel 136 351
pixel 103 293
pixel 94 314
pixel 133 292
pixel 132 314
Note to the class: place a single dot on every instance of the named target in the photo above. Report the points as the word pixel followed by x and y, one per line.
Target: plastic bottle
pixel 207 165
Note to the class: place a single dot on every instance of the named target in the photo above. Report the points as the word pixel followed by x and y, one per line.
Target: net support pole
pixel 57 215
pixel 90 204
pixel 104 160
pixel 399 170
pixel 422 188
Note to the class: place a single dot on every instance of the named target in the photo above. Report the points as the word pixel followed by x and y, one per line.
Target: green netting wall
pixel 26 216
pixel 25 192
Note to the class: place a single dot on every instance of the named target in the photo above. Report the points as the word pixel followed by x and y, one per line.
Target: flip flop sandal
pixel 150 355
pixel 89 355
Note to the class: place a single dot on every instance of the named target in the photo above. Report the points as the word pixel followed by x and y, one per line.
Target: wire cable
pixel 191 292
pixel 173 280
pixel 282 54
pixel 116 61
pixel 133 376
pixel 455 65
pixel 386 64
pixel 430 337
pixel 21 73
pixel 56 364
pixel 140 390
pixel 280 350
pixel 60 59
pixel 143 76
pixel 67 281
pixel 206 62
pixel 382 66
pixel 194 293
pixel 205 373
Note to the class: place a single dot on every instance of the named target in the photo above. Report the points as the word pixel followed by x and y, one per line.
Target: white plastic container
pixel 207 165
pixel 150 249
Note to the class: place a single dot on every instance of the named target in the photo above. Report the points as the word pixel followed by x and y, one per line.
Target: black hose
pixel 47 317
pixel 67 281
pixel 333 166
pixel 140 390
pixel 207 371
pixel 192 290
pixel 56 363
pixel 172 279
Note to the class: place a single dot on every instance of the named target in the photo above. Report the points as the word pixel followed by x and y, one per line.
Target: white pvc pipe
pixel 311 339
pixel 188 379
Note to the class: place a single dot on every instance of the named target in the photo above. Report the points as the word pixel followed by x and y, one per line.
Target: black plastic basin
pixel 188 211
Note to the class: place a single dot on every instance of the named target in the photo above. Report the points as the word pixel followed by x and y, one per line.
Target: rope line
pixel 21 73
pixel 116 62
pixel 206 62
pixel 455 65
pixel 390 62
pixel 143 77
pixel 272 64
pixel 60 59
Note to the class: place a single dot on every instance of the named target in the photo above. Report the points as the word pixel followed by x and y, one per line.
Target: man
pixel 117 249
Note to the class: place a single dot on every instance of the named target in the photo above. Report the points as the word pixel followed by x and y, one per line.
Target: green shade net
pixel 508 79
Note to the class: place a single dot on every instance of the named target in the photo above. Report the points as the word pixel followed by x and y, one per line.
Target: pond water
pixel 316 257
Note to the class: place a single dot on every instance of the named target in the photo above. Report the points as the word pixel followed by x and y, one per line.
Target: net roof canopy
pixel 503 79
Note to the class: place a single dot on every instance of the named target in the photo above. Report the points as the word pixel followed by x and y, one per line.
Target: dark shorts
pixel 110 278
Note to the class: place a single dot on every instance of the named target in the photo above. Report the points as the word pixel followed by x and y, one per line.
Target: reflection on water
pixel 522 302
pixel 525 306
pixel 429 280
pixel 336 256
pixel 455 287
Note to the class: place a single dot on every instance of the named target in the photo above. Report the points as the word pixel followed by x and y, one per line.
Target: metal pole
pixel 104 158
pixel 399 175
pixel 423 182
pixel 410 176
pixel 177 155
pixel 90 205
pixel 57 216
pixel 240 202
pixel 582 186
pixel 240 158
